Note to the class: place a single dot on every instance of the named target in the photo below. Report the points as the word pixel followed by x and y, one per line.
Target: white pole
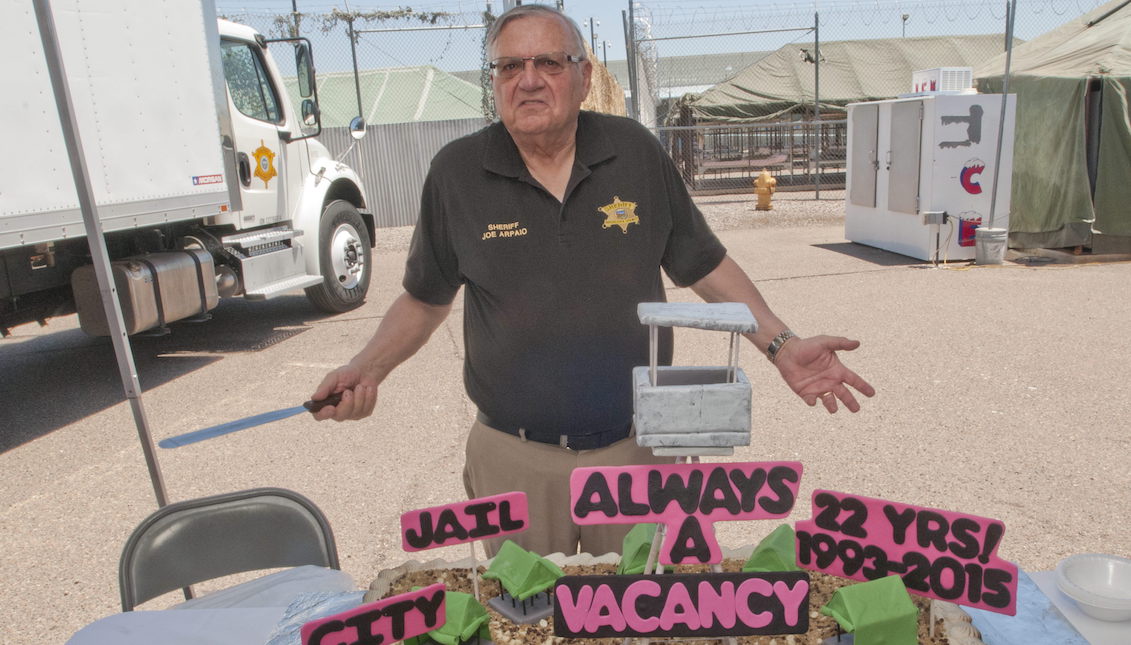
pixel 126 368
pixel 1011 16
pixel 474 573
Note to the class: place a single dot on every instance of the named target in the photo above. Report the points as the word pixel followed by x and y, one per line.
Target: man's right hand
pixel 359 395
pixel 407 325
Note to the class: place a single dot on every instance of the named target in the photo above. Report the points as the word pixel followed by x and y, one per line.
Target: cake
pixel 952 625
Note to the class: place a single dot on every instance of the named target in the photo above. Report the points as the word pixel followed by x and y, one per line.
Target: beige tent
pixel 782 84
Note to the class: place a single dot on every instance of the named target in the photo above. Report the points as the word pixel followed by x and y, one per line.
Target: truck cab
pixel 289 185
pixel 205 169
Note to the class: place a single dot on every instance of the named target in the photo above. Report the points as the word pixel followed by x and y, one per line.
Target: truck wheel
pixel 345 260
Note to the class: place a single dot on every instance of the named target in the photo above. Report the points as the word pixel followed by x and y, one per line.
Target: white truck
pixel 206 175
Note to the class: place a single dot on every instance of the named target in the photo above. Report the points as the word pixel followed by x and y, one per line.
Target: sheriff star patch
pixel 264 163
pixel 619 213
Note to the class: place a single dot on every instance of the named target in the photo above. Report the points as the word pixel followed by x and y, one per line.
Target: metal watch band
pixel 777 343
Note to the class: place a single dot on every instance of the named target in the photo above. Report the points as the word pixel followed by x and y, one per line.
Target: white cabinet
pixel 923 154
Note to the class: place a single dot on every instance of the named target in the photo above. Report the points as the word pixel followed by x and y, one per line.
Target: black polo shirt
pixel 550 324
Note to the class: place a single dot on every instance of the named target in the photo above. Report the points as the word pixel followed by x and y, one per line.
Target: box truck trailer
pixel 207 178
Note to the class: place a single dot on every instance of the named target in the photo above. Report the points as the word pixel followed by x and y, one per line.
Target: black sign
pixel 682 605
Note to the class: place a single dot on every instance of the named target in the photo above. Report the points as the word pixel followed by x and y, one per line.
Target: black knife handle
pixel 315 406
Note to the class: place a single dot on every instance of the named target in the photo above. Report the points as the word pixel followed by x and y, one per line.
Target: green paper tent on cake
pixel 776 552
pixel 878 612
pixel 465 619
pixel 635 548
pixel 522 573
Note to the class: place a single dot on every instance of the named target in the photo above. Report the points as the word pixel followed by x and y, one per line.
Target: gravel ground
pixel 789 210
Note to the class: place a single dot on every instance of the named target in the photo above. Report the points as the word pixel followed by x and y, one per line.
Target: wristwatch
pixel 777 343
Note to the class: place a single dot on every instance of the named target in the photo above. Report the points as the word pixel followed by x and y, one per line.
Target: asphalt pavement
pixel 1001 392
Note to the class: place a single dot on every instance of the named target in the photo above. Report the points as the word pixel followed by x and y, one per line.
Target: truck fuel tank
pixel 153 290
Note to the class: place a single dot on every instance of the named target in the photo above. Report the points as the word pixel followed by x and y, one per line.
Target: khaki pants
pixel 501 463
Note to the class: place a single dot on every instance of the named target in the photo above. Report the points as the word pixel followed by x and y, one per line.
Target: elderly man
pixel 556 223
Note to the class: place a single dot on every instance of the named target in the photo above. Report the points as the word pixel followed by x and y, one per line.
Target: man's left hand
pixel 811 368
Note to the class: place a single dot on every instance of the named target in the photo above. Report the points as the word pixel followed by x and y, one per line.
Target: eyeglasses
pixel 549 63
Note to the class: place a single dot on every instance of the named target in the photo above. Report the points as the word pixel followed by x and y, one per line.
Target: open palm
pixel 812 369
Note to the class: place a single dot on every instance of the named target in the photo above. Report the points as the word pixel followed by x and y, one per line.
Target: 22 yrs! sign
pixel 939 554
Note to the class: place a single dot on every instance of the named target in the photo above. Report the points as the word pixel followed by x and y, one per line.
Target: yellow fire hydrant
pixel 763 188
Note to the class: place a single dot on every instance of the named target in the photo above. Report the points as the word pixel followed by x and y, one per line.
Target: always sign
pixel 688 498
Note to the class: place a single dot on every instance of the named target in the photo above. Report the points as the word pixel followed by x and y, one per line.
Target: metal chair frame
pixel 196 540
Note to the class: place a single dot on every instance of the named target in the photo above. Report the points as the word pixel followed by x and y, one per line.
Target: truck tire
pixel 346 260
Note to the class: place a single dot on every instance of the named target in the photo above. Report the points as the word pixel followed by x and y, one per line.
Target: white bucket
pixel 990 244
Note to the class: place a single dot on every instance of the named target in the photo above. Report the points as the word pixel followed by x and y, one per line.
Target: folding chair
pixel 202 539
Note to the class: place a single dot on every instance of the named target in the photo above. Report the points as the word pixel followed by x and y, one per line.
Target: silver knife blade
pixel 247 422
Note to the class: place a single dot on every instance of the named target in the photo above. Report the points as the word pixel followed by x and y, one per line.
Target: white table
pixel 239 615
pixel 1046 617
pixel 237 626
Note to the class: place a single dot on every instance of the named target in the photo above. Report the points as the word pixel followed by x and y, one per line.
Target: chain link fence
pixel 423 79
pixel 770 81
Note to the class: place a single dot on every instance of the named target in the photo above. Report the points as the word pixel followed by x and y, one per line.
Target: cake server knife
pixel 247 422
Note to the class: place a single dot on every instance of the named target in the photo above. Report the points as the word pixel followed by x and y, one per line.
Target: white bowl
pixel 1100 584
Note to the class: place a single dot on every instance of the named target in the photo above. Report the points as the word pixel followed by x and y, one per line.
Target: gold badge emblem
pixel 619 213
pixel 264 163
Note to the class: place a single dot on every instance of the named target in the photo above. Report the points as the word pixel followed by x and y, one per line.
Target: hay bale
pixel 605 93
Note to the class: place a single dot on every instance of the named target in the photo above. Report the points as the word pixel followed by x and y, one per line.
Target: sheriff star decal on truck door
pixel 264 163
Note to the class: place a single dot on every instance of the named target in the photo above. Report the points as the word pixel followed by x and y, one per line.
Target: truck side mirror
pixel 304 67
pixel 309 112
pixel 304 97
pixel 357 128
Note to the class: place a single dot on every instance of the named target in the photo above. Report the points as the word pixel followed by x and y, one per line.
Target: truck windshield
pixel 248 83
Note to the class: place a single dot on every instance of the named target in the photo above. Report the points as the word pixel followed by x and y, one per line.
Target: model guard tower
pixel 693 411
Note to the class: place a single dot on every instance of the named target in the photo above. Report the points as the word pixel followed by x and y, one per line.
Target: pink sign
pixel 687 498
pixel 384 621
pixel 468 521
pixel 939 554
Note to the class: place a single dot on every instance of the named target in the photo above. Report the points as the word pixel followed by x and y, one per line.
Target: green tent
pixel 781 85
pixel 1073 133
pixel 395 95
